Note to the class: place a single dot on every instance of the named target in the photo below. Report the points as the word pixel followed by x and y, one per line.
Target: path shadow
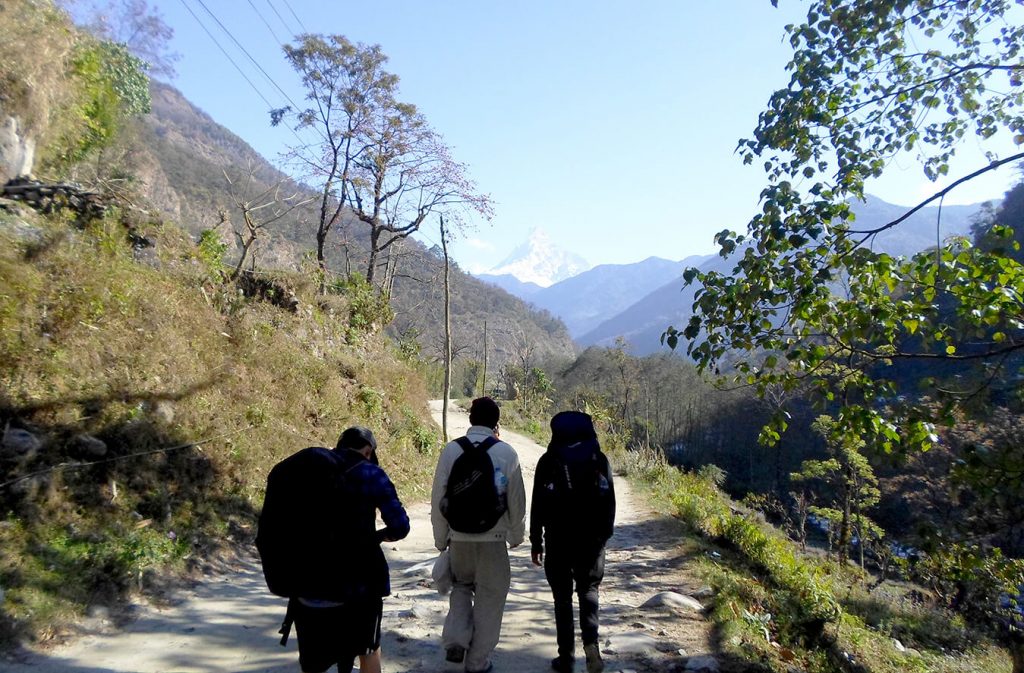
pixel 95 513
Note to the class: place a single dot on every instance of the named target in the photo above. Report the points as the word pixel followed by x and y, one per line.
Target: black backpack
pixel 583 498
pixel 303 537
pixel 471 501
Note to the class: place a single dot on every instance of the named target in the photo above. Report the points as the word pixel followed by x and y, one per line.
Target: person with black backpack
pixel 571 519
pixel 320 548
pixel 478 506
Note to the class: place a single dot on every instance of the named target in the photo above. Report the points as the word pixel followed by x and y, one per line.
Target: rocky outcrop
pixel 266 289
pixel 17 149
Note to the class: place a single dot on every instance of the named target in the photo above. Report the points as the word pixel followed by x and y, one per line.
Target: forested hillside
pixel 182 157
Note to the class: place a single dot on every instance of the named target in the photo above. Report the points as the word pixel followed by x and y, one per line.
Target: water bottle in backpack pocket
pixel 474 498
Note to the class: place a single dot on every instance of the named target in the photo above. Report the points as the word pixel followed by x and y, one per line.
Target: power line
pixel 241 72
pixel 289 6
pixel 260 14
pixel 227 55
pixel 281 19
pixel 247 54
pixel 270 79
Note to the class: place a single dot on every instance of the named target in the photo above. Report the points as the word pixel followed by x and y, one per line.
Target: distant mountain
pixel 539 261
pixel 643 323
pixel 923 230
pixel 586 300
pixel 511 284
pixel 180 157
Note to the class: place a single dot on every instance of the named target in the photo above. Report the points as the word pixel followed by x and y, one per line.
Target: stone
pixel 98 612
pixel 417 612
pixel 898 645
pixel 673 600
pixel 89 446
pixel 702 663
pixel 17 150
pixel 703 593
pixel 631 643
pixel 161 411
pixel 21 443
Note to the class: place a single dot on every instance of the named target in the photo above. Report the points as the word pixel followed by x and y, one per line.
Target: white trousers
pixel 480 583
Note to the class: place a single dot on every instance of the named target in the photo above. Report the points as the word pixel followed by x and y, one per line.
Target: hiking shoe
pixel 594 662
pixel 455 654
pixel 562 664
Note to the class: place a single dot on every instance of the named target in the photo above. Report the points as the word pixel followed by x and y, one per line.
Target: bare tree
pixel 134 24
pixel 406 174
pixel 344 83
pixel 259 211
pixel 376 155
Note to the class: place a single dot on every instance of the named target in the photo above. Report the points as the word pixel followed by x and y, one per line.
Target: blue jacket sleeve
pixel 396 520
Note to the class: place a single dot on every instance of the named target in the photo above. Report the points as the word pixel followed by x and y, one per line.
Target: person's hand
pixel 538 558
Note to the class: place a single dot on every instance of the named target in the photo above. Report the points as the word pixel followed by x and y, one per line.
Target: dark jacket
pixel 573 492
pixel 363 563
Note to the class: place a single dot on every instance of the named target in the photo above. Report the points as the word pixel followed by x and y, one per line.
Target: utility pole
pixel 483 382
pixel 447 333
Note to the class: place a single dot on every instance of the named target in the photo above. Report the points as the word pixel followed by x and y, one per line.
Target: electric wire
pixel 259 67
pixel 247 54
pixel 265 23
pixel 226 54
pixel 281 19
pixel 259 93
pixel 301 25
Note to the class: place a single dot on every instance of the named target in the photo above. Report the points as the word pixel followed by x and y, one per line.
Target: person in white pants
pixel 479 561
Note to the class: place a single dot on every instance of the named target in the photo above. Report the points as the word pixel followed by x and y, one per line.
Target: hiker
pixel 571 518
pixel 478 505
pixel 320 547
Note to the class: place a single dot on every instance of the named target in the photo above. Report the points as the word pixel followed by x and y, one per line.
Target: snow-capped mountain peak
pixel 539 261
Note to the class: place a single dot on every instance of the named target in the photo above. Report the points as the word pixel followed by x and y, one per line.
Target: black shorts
pixel 337 635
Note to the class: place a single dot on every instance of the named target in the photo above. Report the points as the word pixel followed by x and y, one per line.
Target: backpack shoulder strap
pixel 468 445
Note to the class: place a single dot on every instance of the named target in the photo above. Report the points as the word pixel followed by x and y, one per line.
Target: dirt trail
pixel 229 622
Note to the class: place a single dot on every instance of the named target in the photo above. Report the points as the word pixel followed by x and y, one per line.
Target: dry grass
pixel 38 42
pixel 152 355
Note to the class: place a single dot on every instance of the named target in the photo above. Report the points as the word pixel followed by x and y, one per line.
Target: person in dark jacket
pixel 336 632
pixel 571 518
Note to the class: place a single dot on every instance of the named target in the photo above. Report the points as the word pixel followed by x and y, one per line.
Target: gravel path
pixel 228 622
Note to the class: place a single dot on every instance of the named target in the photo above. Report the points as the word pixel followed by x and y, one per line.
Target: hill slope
pixel 181 156
pixel 643 323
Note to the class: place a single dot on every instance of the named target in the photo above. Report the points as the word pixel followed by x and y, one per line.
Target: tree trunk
pixel 844 527
pixel 371 265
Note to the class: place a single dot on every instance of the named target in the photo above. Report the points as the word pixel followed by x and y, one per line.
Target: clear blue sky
pixel 610 125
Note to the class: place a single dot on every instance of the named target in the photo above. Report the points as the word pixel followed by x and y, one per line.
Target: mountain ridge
pixel 181 156
pixel 642 323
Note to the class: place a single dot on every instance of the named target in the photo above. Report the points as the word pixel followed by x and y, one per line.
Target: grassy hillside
pixel 784 610
pixel 151 400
